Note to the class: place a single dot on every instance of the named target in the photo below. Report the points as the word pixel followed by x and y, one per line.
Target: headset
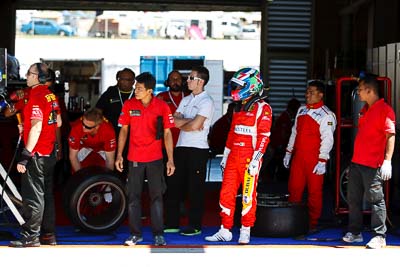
pixel 166 84
pixel 42 76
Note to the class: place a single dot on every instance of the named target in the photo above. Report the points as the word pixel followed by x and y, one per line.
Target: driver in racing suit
pixel 247 141
pixel 310 143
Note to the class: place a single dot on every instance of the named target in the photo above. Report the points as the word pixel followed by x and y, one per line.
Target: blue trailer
pixel 160 66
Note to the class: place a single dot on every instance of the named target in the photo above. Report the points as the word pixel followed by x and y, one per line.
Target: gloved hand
pixel 386 170
pixel 286 160
pixel 224 158
pixel 254 165
pixel 320 168
pixel 25 157
pixel 108 195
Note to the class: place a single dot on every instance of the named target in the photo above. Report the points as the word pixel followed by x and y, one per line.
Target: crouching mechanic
pixel 92 143
pixel 247 141
pixel 310 142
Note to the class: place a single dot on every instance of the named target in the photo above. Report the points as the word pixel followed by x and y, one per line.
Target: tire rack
pixel 342 123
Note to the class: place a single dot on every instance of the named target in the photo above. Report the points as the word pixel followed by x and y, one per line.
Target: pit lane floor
pixel 193 256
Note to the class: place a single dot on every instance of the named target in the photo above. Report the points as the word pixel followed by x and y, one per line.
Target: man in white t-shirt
pixel 193 117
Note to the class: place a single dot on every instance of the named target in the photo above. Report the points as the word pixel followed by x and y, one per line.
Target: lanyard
pixel 120 98
pixel 173 102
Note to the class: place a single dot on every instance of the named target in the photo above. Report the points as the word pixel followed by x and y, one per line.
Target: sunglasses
pixel 88 127
pixel 30 72
pixel 192 78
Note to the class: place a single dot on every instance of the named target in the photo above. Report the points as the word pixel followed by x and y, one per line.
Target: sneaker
pixel 48 239
pixel 25 242
pixel 189 231
pixel 376 242
pixel 171 230
pixel 351 238
pixel 244 237
pixel 159 240
pixel 223 235
pixel 133 240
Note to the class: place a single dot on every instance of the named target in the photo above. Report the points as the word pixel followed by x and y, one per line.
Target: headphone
pixel 169 75
pixel 42 76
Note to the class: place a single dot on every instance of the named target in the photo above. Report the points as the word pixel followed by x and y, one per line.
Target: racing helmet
pixel 245 83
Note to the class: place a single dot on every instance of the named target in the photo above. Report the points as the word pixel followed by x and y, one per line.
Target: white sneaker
pixel 223 235
pixel 351 238
pixel 244 237
pixel 377 242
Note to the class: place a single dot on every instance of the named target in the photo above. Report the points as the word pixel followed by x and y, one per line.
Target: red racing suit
pixel 311 141
pixel 249 133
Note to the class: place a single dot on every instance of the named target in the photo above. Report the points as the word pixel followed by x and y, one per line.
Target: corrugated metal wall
pixel 289 40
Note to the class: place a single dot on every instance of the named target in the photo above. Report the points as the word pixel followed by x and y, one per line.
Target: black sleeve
pixel 102 102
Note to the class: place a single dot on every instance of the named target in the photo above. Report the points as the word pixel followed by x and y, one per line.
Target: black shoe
pixel 190 231
pixel 159 240
pixel 25 242
pixel 48 239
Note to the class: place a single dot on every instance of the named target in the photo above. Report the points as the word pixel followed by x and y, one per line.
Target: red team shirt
pixel 42 105
pixel 373 125
pixel 143 145
pixel 103 140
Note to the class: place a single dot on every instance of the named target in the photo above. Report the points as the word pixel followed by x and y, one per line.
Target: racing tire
pixel 86 204
pixel 276 217
pixel 343 181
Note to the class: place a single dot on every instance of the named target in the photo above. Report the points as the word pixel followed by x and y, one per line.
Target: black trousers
pixel 365 179
pixel 154 173
pixel 189 178
pixel 37 196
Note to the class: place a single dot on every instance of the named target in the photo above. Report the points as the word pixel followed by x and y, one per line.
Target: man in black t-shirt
pixel 112 100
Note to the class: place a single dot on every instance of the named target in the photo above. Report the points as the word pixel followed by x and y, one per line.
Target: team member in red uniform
pixel 310 142
pixel 41 118
pixel 92 141
pixel 247 141
pixel 20 98
pixel 371 164
pixel 145 116
pixel 173 97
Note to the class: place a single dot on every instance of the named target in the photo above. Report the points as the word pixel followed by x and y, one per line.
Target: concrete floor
pixel 198 256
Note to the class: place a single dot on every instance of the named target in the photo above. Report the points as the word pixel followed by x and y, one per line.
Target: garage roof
pixel 153 5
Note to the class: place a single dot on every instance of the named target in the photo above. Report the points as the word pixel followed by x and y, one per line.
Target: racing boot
pixel 244 237
pixel 223 235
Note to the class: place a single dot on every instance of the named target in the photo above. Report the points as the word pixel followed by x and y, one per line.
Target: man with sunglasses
pixel 193 118
pixel 41 117
pixel 92 141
